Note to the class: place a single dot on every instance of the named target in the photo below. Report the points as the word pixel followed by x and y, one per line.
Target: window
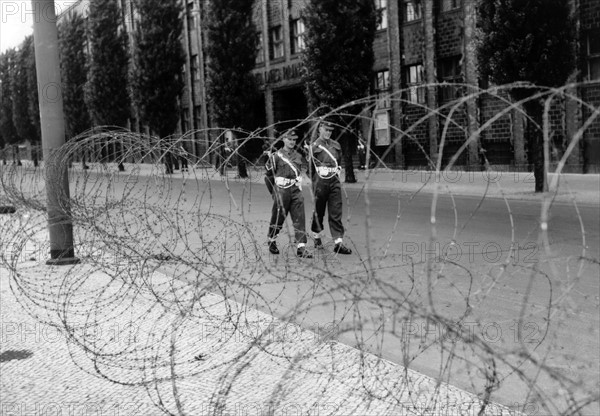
pixel 276 47
pixel 447 5
pixel 412 10
pixel 382 128
pixel 297 36
pixel 449 71
pixel 382 11
pixel 414 82
pixel 382 81
pixel 260 52
pixel 593 56
pixel 382 86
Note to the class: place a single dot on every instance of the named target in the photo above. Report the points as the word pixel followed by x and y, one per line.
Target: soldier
pixel 284 166
pixel 325 155
pixel 267 150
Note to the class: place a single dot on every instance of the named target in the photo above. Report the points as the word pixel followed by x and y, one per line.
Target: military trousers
pixel 288 200
pixel 328 196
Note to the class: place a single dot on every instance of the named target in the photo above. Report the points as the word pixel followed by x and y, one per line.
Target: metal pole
pixel 60 228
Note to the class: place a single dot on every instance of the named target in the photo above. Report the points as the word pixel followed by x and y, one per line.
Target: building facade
pixel 589 67
pixel 418 44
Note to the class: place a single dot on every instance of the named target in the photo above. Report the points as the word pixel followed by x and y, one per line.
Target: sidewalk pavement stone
pixel 171 364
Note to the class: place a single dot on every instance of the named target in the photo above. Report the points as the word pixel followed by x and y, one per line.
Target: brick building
pixel 589 66
pixel 418 44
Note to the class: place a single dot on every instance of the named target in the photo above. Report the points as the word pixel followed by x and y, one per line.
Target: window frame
pixel 382 8
pixel 415 91
pixel 297 44
pixel 382 80
pixel 417 10
pixel 448 93
pixel 453 5
pixel 382 85
pixel 260 49
pixel 592 56
pixel 381 128
pixel 276 47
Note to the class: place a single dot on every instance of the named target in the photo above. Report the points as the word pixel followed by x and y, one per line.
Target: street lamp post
pixel 60 228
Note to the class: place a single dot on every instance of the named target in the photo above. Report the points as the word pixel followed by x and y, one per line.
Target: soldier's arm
pixel 270 165
pixel 269 182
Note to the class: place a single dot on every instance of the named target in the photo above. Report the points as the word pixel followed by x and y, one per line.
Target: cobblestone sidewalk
pixel 149 360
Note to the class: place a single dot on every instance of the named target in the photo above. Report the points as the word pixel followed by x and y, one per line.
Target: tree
pixel 106 91
pixel 339 58
pixel 8 131
pixel 23 119
pixel 232 48
pixel 531 41
pixel 159 59
pixel 72 39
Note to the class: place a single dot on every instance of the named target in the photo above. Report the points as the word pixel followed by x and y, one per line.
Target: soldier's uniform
pixel 325 155
pixel 285 169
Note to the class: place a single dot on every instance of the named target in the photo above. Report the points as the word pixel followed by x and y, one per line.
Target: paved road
pixel 510 298
pixel 535 302
pixel 498 283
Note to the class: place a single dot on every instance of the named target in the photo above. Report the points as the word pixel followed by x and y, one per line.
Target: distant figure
pixel 223 153
pixel 325 155
pixel 362 154
pixel 284 167
pixel 168 163
pixel 183 159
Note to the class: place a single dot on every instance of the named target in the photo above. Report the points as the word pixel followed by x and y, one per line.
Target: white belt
pixel 326 171
pixel 285 182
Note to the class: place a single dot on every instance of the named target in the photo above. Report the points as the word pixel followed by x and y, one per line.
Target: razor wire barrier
pixel 188 250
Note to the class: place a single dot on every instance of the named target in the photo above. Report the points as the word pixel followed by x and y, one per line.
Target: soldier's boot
pixel 304 253
pixel 341 249
pixel 273 247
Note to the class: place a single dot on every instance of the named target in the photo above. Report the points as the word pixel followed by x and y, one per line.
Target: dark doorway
pixel 253 146
pixel 290 109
